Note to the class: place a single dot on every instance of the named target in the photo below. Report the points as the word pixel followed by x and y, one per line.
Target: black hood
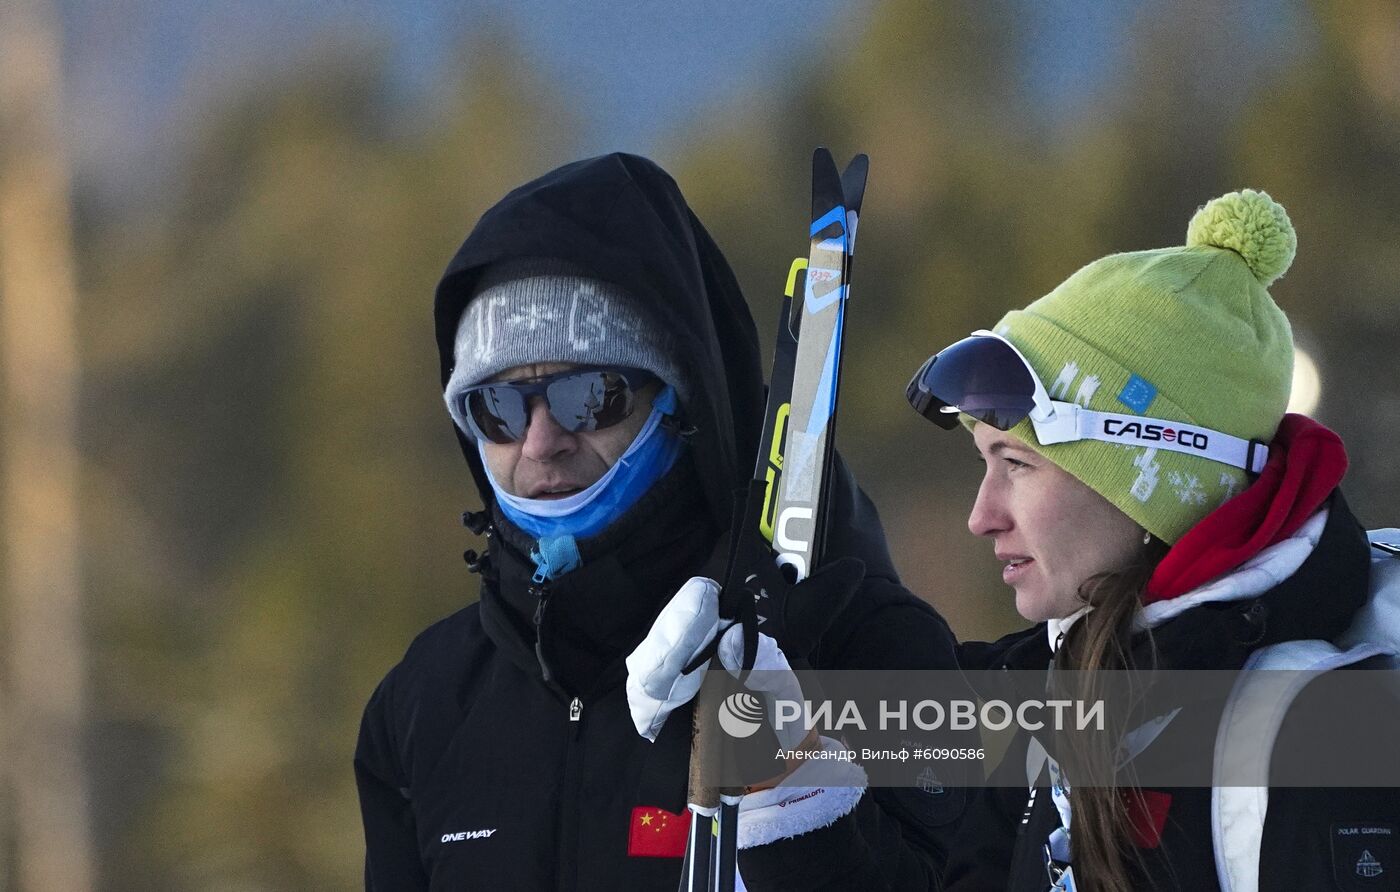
pixel 623 220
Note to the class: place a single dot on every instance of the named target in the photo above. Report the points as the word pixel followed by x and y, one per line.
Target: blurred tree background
pixel 270 485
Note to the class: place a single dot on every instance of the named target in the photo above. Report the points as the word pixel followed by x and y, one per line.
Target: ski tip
pixel 858 169
pixel 827 191
pixel 824 169
pixel 853 181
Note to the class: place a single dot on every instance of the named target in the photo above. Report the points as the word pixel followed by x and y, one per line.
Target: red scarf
pixel 1306 462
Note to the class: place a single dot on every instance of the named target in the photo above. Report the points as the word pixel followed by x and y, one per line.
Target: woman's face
pixel 1051 532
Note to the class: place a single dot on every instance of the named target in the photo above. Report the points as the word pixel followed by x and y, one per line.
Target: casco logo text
pixel 1155 433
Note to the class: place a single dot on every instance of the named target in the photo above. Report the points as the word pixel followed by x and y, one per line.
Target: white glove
pixel 813 796
pixel 683 629
pixel 772 678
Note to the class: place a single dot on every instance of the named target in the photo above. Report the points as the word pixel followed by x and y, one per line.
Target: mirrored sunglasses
pixel 586 399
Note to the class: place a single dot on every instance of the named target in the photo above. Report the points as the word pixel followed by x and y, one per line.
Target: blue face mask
pixel 589 512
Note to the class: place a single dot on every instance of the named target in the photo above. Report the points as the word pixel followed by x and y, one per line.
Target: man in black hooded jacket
pixel 500 753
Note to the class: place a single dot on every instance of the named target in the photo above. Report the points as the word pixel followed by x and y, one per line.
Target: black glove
pixel 797 616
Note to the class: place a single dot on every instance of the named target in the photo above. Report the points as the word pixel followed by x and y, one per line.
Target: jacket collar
pixel 1255 576
pixel 596 614
pixel 1252 607
pixel 1306 462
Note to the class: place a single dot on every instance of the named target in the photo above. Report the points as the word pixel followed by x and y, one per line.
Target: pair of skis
pixel 780 520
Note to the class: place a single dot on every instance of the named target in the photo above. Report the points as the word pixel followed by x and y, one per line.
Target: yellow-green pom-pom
pixel 1251 224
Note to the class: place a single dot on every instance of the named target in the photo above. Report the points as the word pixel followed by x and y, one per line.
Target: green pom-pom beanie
pixel 1185 334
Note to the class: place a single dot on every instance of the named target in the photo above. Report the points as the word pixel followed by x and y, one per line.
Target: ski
pixel 779 523
pixel 800 527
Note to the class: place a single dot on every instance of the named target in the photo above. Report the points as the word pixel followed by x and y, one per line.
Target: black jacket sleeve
pixel 392 860
pixel 896 838
pixel 889 842
pixel 865 849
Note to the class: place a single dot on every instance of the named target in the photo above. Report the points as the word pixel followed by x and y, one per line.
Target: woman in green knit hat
pixel 1154 506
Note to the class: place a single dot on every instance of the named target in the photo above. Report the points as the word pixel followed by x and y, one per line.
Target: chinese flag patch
pixel 657 833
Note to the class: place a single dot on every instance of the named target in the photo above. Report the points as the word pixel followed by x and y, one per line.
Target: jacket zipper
pixel 571 796
pixel 540 590
pixel 568 827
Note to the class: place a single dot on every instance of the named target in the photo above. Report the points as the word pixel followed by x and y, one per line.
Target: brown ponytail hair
pixel 1101 844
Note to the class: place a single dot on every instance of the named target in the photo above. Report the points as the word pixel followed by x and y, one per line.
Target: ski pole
pixel 785 504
